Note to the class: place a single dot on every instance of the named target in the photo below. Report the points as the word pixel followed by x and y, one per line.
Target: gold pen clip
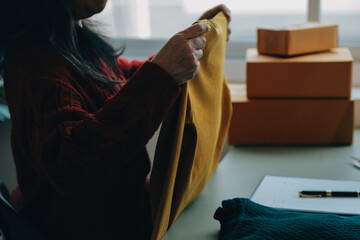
pixel 308 195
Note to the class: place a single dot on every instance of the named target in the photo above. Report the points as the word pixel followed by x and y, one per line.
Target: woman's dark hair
pixel 52 22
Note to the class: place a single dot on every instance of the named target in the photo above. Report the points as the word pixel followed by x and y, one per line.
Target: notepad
pixel 283 193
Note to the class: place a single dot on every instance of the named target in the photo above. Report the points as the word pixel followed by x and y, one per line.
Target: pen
pixel 328 193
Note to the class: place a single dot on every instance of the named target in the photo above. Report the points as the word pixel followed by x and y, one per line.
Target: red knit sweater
pixel 79 146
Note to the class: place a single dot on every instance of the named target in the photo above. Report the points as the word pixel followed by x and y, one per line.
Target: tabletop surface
pixel 241 170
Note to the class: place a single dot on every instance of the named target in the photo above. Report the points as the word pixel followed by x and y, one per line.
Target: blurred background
pixel 145 25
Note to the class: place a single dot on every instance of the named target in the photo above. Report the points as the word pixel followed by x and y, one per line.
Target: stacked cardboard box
pixel 355 93
pixel 294 39
pixel 301 99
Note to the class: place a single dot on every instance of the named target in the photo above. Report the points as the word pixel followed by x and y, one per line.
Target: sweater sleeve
pixel 129 68
pixel 73 148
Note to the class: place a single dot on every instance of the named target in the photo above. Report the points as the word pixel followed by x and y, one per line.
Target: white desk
pixel 242 169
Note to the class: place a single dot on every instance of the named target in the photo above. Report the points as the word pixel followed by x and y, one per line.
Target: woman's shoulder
pixel 34 58
pixel 33 55
pixel 34 61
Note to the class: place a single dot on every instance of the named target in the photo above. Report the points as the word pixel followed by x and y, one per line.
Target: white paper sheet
pixel 283 193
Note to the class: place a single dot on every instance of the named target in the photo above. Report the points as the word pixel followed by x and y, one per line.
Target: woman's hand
pixel 212 12
pixel 180 55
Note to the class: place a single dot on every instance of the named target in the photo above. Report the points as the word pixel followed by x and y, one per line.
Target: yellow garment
pixel 193 134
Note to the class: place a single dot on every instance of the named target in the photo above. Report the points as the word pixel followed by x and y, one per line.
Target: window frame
pixel 235 64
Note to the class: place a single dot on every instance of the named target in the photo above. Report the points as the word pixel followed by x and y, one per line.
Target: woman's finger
pixel 228 33
pixel 196 30
pixel 198 53
pixel 212 12
pixel 198 42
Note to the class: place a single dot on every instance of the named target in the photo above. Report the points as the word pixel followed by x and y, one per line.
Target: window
pixel 159 19
pixel 145 25
pixel 247 16
pixel 347 15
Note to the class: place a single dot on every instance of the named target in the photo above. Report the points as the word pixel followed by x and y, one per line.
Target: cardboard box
pixel 295 39
pixel 355 95
pixel 357 113
pixel 320 75
pixel 289 121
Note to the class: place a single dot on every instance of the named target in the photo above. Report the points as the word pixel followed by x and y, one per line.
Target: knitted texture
pixel 79 146
pixel 241 218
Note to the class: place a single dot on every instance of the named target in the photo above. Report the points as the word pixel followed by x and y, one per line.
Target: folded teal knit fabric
pixel 241 218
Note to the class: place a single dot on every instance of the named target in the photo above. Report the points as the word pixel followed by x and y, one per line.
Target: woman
pixel 81 117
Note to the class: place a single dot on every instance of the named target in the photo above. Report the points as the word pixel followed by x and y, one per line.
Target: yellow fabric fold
pixel 193 134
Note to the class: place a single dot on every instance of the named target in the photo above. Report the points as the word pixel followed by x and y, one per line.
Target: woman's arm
pixel 75 149
pixel 129 68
